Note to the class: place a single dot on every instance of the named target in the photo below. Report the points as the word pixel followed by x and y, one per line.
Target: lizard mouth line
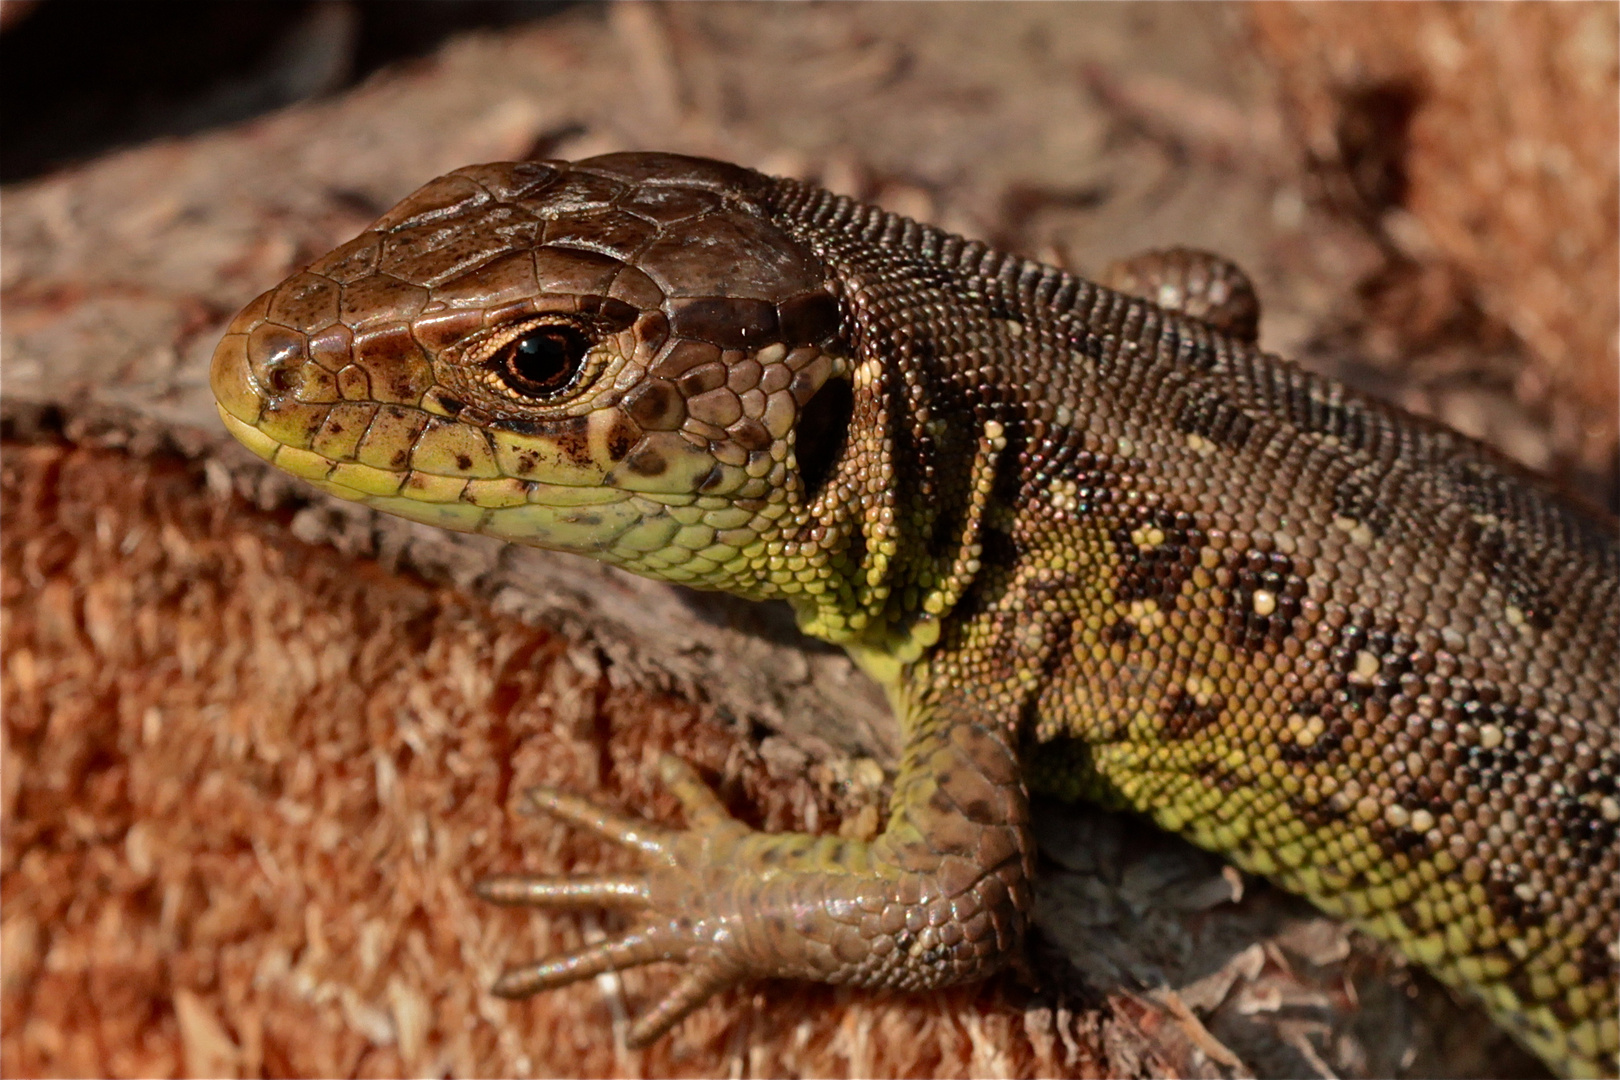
pixel 413 481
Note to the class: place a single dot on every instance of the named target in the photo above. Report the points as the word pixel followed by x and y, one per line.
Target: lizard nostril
pixel 282 380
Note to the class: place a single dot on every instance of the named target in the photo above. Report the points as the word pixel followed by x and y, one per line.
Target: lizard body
pixel 1090 545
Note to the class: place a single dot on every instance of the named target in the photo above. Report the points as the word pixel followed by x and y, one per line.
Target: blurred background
pixel 1425 194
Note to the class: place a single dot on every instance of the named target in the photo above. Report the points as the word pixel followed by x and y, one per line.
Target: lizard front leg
pixel 940 897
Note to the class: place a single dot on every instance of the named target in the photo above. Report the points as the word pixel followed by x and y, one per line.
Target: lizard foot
pixel 734 904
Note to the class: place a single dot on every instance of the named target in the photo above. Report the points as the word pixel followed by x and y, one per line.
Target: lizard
pixel 1091 540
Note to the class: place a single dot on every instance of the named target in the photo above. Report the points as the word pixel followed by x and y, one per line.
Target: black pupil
pixel 543 361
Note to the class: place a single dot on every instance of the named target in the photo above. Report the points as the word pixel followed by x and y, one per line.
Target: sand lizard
pixel 1347 648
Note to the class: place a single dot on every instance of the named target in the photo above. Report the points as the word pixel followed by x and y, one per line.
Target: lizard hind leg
pixel 1196 283
pixel 940 897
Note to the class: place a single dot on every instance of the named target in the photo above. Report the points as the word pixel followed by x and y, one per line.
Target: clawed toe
pixel 627 890
pixel 697 986
pixel 640 834
pixel 626 951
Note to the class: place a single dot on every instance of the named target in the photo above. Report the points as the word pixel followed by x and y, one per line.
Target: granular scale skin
pixel 1092 546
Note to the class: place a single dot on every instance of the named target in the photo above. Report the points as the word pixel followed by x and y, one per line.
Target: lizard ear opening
pixel 822 431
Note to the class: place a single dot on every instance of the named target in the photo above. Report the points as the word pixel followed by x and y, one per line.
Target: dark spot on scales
pixel 1184 716
pixel 647 463
pixel 1322 412
pixel 1337 728
pixel 700 380
pixel 1512 568
pixel 621 437
pixel 750 434
pixel 712 478
pixel 1212 416
pixel 1359 497
pixel 1501 893
pixel 574 439
pixel 1595 962
pixel 1156 572
pixel 979 810
pixel 656 405
pixel 1245 573
pixel 1223 779
pixel 1317 813
pixel 1191 352
pixel 463 462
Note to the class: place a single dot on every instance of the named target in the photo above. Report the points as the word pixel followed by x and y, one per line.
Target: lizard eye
pixel 541 362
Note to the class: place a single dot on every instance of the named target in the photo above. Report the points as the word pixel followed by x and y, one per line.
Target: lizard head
pixel 623 358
